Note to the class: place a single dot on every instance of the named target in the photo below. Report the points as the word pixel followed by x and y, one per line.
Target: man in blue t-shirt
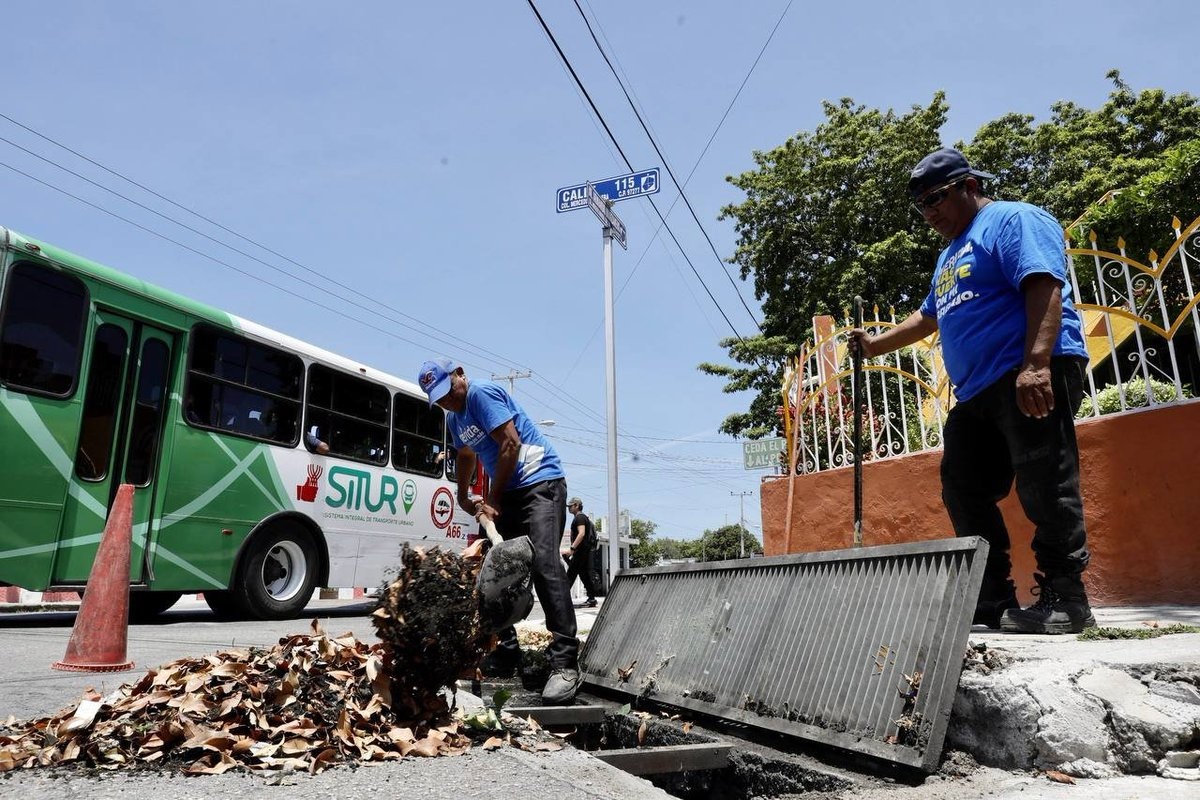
pixel 527 496
pixel 1013 346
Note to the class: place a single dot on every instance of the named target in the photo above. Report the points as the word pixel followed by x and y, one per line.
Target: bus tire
pixel 147 606
pixel 277 574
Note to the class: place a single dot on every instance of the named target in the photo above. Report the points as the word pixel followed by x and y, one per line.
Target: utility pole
pixel 511 377
pixel 741 496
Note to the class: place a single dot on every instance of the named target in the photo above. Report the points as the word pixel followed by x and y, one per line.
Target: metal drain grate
pixel 860 649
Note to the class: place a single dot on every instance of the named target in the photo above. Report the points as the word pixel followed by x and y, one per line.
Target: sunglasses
pixel 933 199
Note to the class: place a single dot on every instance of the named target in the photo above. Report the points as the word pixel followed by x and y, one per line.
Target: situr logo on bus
pixel 351 489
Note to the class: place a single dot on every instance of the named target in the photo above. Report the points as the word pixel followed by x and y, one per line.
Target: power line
pixel 712 137
pixel 666 162
pixel 628 163
pixel 453 342
pixel 185 226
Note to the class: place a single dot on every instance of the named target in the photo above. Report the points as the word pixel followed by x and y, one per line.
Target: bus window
pixel 418 436
pixel 41 331
pixel 478 484
pixel 242 387
pixel 147 412
pixel 100 405
pixel 350 414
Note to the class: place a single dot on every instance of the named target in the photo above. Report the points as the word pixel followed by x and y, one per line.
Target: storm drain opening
pixel 859 650
pixel 697 764
pixel 681 759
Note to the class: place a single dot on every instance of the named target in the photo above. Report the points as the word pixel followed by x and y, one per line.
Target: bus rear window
pixel 243 387
pixel 41 331
pixel 348 414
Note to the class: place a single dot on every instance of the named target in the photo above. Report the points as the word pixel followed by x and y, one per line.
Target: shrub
pixel 1109 398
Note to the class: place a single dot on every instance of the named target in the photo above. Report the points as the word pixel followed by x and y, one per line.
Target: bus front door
pixel 128 376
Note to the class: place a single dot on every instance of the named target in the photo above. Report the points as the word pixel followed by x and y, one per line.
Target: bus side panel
pixel 215 489
pixel 37 447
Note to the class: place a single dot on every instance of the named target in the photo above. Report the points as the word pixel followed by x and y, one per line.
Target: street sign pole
pixel 612 227
pixel 610 365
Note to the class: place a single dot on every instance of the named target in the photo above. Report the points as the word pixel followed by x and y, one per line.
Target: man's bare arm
pixel 915 327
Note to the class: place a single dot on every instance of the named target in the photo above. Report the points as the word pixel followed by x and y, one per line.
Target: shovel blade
pixel 505 583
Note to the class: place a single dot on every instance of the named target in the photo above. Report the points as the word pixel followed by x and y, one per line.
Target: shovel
pixel 505 579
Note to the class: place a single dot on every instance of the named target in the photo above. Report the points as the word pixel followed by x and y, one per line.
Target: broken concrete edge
pixel 1109 713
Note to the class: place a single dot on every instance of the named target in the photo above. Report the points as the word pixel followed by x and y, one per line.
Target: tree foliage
pixel 645 551
pixel 714 545
pixel 826 215
pixel 724 543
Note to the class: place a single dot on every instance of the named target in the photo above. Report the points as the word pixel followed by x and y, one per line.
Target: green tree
pixel 726 542
pixel 826 217
pixel 676 549
pixel 1140 145
pixel 645 551
pixel 826 214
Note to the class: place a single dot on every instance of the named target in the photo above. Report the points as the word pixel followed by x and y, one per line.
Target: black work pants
pixel 579 565
pixel 989 442
pixel 539 512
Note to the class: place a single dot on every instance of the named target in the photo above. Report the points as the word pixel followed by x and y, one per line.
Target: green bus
pixel 264 468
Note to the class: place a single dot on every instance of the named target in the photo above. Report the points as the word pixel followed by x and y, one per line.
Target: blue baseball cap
pixel 434 378
pixel 939 168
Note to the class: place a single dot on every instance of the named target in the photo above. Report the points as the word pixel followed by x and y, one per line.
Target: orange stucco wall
pixel 1140 472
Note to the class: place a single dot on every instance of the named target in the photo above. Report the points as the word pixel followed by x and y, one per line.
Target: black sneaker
pixel 991 612
pixel 501 663
pixel 1061 607
pixel 994 600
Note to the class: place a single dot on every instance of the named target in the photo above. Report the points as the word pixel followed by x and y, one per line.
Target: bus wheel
pixel 146 606
pixel 277 576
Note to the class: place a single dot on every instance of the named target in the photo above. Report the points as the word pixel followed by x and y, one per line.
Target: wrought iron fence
pixel 1140 323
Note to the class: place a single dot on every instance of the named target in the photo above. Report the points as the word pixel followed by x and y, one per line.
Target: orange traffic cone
pixel 101 631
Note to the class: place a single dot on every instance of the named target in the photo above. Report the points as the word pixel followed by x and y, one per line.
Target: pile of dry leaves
pixel 309 702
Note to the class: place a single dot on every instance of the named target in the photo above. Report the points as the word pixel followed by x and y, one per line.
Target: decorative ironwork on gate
pixel 1140 323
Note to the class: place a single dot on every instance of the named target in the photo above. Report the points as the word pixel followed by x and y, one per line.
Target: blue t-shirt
pixel 976 293
pixel 489 407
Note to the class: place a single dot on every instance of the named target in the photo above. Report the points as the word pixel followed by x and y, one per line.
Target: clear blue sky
pixel 411 152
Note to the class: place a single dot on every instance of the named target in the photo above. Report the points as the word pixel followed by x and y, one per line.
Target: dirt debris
pixel 429 619
pixel 983 660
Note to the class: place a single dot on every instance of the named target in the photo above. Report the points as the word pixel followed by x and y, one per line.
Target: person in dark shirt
pixel 582 535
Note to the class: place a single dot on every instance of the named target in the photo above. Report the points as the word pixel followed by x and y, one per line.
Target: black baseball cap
pixel 939 168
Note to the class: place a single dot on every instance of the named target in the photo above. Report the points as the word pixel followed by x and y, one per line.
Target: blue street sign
pixel 622 187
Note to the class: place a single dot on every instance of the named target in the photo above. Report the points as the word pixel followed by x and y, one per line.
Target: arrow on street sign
pixel 761 453
pixel 621 187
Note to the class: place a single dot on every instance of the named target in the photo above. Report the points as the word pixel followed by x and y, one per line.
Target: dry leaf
pixel 493 742
pixel 1059 777
pixel 641 734
pixel 84 716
